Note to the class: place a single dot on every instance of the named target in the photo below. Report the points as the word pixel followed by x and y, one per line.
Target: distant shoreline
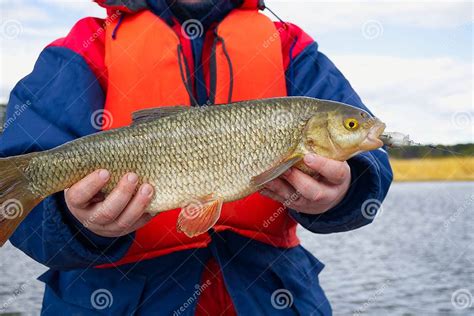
pixel 433 169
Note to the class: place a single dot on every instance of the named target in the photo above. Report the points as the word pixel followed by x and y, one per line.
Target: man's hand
pixel 120 213
pixel 312 195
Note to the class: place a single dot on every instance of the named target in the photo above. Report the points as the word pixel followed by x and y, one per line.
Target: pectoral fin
pixel 275 172
pixel 199 216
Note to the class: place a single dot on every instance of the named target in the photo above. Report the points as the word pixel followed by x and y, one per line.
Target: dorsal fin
pixel 158 113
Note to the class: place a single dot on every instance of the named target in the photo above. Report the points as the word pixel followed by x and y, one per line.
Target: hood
pixel 131 6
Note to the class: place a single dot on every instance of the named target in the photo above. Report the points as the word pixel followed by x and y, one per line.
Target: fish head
pixel 341 131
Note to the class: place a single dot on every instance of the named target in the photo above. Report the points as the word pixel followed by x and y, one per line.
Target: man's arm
pixel 311 73
pixel 53 105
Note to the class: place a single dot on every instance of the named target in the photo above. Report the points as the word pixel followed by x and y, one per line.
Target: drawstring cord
pixel 213 70
pixel 293 44
pixel 186 73
pixel 231 70
pixel 273 13
pixel 186 78
pixel 114 32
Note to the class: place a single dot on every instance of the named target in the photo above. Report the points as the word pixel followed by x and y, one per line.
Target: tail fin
pixel 16 201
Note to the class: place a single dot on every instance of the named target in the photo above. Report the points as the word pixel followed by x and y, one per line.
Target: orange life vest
pixel 144 71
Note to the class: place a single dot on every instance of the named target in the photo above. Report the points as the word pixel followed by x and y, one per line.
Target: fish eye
pixel 351 124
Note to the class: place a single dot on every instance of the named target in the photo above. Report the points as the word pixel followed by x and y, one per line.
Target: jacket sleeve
pixel 311 73
pixel 52 105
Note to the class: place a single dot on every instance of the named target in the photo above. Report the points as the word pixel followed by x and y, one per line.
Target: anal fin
pixel 198 216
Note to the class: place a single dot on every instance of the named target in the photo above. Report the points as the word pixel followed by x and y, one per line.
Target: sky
pixel 410 61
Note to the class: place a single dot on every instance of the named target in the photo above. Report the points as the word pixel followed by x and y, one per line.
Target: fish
pixel 203 156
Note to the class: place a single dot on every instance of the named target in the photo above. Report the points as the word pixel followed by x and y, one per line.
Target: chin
pixel 371 144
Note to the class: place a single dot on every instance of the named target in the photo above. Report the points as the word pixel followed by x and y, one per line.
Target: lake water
pixel 417 258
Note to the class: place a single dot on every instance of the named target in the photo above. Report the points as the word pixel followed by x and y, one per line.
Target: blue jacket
pixel 61 94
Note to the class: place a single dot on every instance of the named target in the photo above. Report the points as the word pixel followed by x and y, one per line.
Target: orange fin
pixel 198 216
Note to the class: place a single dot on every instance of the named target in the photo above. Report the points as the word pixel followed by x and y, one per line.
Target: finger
pixel 142 221
pixel 106 211
pixel 135 209
pixel 303 183
pixel 332 170
pixel 272 195
pixel 311 189
pixel 296 201
pixel 281 188
pixel 81 193
pixel 99 197
pixel 112 231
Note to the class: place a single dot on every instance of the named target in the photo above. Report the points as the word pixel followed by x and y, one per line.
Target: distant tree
pixel 2 115
pixel 429 151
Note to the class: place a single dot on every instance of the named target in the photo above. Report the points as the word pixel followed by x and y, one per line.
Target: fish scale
pixel 195 153
pixel 210 155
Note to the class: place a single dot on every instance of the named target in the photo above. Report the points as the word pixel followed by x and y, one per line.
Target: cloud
pixel 77 7
pixel 423 97
pixel 22 12
pixel 45 18
pixel 26 28
pixel 15 63
pixel 327 16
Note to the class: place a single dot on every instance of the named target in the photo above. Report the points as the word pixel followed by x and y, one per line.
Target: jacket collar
pixel 131 6
pixel 218 12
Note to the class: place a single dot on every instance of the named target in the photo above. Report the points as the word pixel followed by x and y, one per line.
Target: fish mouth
pixel 373 141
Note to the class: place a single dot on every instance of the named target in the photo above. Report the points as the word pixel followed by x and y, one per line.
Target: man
pixel 105 254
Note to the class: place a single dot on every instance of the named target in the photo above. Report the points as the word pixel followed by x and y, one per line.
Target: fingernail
pixel 310 158
pixel 104 174
pixel 146 190
pixel 132 178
